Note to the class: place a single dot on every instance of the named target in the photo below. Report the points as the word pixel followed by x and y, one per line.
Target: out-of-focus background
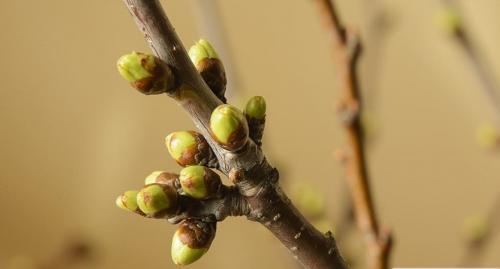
pixel 74 135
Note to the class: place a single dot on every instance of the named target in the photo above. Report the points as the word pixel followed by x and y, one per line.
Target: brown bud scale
pixel 196 233
pixel 212 72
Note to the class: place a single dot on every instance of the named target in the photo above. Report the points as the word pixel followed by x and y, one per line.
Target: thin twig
pixel 346 47
pixel 74 252
pixel 475 249
pixel 482 72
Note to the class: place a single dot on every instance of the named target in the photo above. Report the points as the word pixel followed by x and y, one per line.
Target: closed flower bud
pixel 127 201
pixel 209 66
pixel 256 108
pixel 475 228
pixel 161 177
pixel 229 127
pixel 199 182
pixel 157 200
pixel 191 240
pixel 146 73
pixel 449 20
pixel 488 135
pixel 188 148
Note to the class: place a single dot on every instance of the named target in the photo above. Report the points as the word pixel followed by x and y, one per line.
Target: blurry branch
pixel 377 24
pixel 211 26
pixel 229 140
pixel 479 234
pixel 74 252
pixel 346 49
pixel 453 21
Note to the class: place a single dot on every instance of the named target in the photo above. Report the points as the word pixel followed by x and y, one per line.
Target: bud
pixel 199 182
pixel 256 108
pixel 191 240
pixel 146 73
pixel 229 127
pixel 127 201
pixel 449 20
pixel 161 177
pixel 487 136
pixel 475 228
pixel 209 66
pixel 188 148
pixel 156 200
pixel 309 200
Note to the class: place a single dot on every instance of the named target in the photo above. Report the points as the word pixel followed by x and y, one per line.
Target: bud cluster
pixel 166 195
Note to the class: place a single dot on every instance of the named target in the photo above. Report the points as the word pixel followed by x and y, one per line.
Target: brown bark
pixel 258 194
pixel 346 47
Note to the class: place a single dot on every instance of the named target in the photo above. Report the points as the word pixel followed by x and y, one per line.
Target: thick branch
pixel 255 179
pixel 346 48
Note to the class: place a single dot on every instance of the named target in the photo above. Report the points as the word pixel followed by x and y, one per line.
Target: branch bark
pixel 255 179
pixel 346 47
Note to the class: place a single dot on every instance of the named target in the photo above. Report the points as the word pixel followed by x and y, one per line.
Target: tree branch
pixel 482 72
pixel 346 47
pixel 254 178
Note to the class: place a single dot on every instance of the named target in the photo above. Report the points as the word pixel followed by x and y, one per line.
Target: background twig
pixel 346 48
pixel 482 72
pixel 210 23
pixel 475 249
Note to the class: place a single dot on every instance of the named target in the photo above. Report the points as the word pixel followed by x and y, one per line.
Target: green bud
pixel 475 228
pixel 208 64
pixel 202 50
pixel 487 135
pixel 187 148
pixel 146 73
pixel 309 200
pixel 156 200
pixel 256 108
pixel 161 177
pixel 449 20
pixel 199 182
pixel 229 127
pixel 127 201
pixel 191 241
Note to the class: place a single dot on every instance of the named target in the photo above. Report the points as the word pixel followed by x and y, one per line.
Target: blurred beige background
pixel 74 135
